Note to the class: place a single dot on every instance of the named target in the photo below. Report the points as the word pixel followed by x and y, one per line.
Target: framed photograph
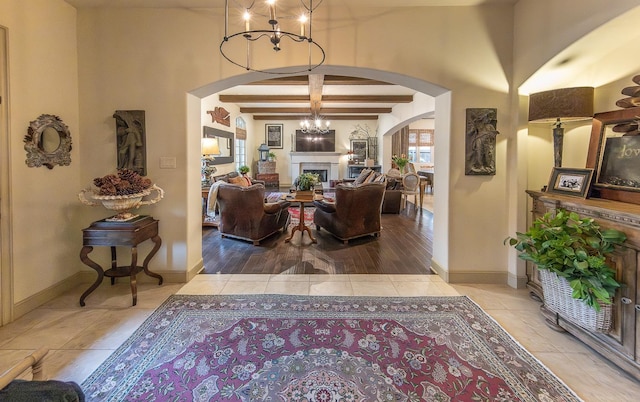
pixel 614 155
pixel 273 135
pixel 569 181
pixel 359 148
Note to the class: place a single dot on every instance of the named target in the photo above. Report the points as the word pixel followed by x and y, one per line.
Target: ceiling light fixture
pixel 314 125
pixel 258 21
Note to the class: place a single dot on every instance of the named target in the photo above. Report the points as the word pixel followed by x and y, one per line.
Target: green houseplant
pixel 573 248
pixel 244 169
pixel 271 156
pixel 306 181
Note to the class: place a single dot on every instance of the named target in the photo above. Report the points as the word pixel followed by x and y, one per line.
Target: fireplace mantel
pixel 331 159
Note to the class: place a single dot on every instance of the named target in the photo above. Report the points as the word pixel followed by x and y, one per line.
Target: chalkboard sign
pixel 621 162
pixel 614 153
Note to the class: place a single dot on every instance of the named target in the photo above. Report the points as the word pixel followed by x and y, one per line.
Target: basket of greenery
pixel 571 254
pixel 306 181
pixel 244 169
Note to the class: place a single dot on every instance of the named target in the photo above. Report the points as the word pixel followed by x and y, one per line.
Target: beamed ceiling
pixel 333 97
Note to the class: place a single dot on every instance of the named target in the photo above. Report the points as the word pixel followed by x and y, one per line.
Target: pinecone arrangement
pixel 124 182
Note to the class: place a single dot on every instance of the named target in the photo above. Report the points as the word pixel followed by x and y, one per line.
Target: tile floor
pixel 80 338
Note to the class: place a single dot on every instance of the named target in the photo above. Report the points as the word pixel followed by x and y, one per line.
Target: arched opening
pixel 431 101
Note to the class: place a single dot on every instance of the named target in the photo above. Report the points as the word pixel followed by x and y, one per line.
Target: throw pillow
pixel 362 176
pixel 372 177
pixel 239 181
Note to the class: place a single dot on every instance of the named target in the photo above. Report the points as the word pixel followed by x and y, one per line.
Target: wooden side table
pixel 127 234
pixel 270 179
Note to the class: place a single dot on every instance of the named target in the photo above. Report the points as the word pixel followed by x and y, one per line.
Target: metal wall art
pixel 480 141
pixel 48 142
pixel 131 140
pixel 220 115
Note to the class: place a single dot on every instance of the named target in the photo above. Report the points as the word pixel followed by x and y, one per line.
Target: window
pixel 421 145
pixel 241 142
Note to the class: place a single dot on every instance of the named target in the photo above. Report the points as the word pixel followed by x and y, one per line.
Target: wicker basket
pixel 557 298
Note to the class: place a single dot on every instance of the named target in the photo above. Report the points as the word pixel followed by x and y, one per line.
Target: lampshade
pixel 560 105
pixel 566 104
pixel 210 146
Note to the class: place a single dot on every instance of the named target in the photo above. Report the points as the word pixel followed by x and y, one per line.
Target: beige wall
pixel 150 59
pixel 46 216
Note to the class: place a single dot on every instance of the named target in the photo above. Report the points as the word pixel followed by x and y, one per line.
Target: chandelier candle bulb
pixel 303 20
pixel 247 23
pixel 272 12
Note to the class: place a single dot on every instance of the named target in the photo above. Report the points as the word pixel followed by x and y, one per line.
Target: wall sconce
pixel 558 106
pixel 209 149
pixel 263 150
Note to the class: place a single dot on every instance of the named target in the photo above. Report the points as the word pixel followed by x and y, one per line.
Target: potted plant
pixel 572 251
pixel 244 169
pixel 271 156
pixel 306 181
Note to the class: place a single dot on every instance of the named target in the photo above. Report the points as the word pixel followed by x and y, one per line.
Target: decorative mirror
pixel 48 142
pixel 225 145
pixel 614 153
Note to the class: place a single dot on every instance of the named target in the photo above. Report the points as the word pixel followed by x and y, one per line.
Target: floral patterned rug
pixel 314 348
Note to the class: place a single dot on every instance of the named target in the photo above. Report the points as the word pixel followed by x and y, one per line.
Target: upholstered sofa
pixel 245 215
pixel 392 201
pixel 355 212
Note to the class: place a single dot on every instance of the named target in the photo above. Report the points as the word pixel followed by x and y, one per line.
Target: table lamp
pixel 558 106
pixel 209 149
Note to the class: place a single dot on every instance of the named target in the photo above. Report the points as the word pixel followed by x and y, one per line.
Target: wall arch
pixel 429 96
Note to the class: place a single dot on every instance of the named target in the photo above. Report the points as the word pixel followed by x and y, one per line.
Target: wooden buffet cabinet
pixel 621 346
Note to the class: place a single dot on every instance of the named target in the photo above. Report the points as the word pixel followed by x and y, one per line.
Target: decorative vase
pixel 121 203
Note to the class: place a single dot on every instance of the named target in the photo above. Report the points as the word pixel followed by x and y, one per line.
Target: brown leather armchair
pixel 245 215
pixel 355 213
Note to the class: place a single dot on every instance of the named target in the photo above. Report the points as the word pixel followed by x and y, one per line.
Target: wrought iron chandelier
pixel 250 23
pixel 314 125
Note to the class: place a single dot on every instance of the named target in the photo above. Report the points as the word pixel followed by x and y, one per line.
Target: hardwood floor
pixel 404 247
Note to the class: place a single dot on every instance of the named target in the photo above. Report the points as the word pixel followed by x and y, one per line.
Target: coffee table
pixel 302 227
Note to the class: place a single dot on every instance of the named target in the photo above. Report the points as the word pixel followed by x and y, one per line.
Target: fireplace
pixel 326 164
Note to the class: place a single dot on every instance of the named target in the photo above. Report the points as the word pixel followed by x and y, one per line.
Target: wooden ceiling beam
pixel 315 92
pixel 328 80
pixel 325 98
pixel 325 117
pixel 323 111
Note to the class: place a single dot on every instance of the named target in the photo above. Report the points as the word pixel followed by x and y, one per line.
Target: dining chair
pixel 410 186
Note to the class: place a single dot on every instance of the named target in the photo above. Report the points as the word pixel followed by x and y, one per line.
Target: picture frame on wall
pixel 359 149
pixel 573 182
pixel 273 135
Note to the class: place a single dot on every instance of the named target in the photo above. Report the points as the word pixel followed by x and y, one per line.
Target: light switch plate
pixel 167 162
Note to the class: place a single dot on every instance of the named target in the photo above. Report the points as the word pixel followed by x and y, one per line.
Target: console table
pixel 620 345
pixel 126 234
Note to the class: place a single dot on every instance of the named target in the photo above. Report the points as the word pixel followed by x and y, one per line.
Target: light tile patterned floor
pixel 80 338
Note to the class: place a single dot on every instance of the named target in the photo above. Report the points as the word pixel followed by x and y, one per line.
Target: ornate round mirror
pixel 48 142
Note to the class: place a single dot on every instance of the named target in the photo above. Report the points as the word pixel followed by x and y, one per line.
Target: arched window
pixel 241 142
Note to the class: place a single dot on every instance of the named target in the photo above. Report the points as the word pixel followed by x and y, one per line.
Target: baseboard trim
pixel 517 282
pixel 486 277
pixel 442 273
pixel 34 301
pixel 83 277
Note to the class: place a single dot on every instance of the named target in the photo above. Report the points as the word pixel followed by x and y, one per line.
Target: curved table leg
pixel 145 265
pixel 87 261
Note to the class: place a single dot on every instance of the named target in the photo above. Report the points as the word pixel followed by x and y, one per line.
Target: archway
pixel 432 101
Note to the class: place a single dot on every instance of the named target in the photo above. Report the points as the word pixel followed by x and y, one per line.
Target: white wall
pixel 47 218
pixel 151 59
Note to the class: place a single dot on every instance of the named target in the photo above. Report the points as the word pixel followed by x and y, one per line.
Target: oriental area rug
pixel 314 348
